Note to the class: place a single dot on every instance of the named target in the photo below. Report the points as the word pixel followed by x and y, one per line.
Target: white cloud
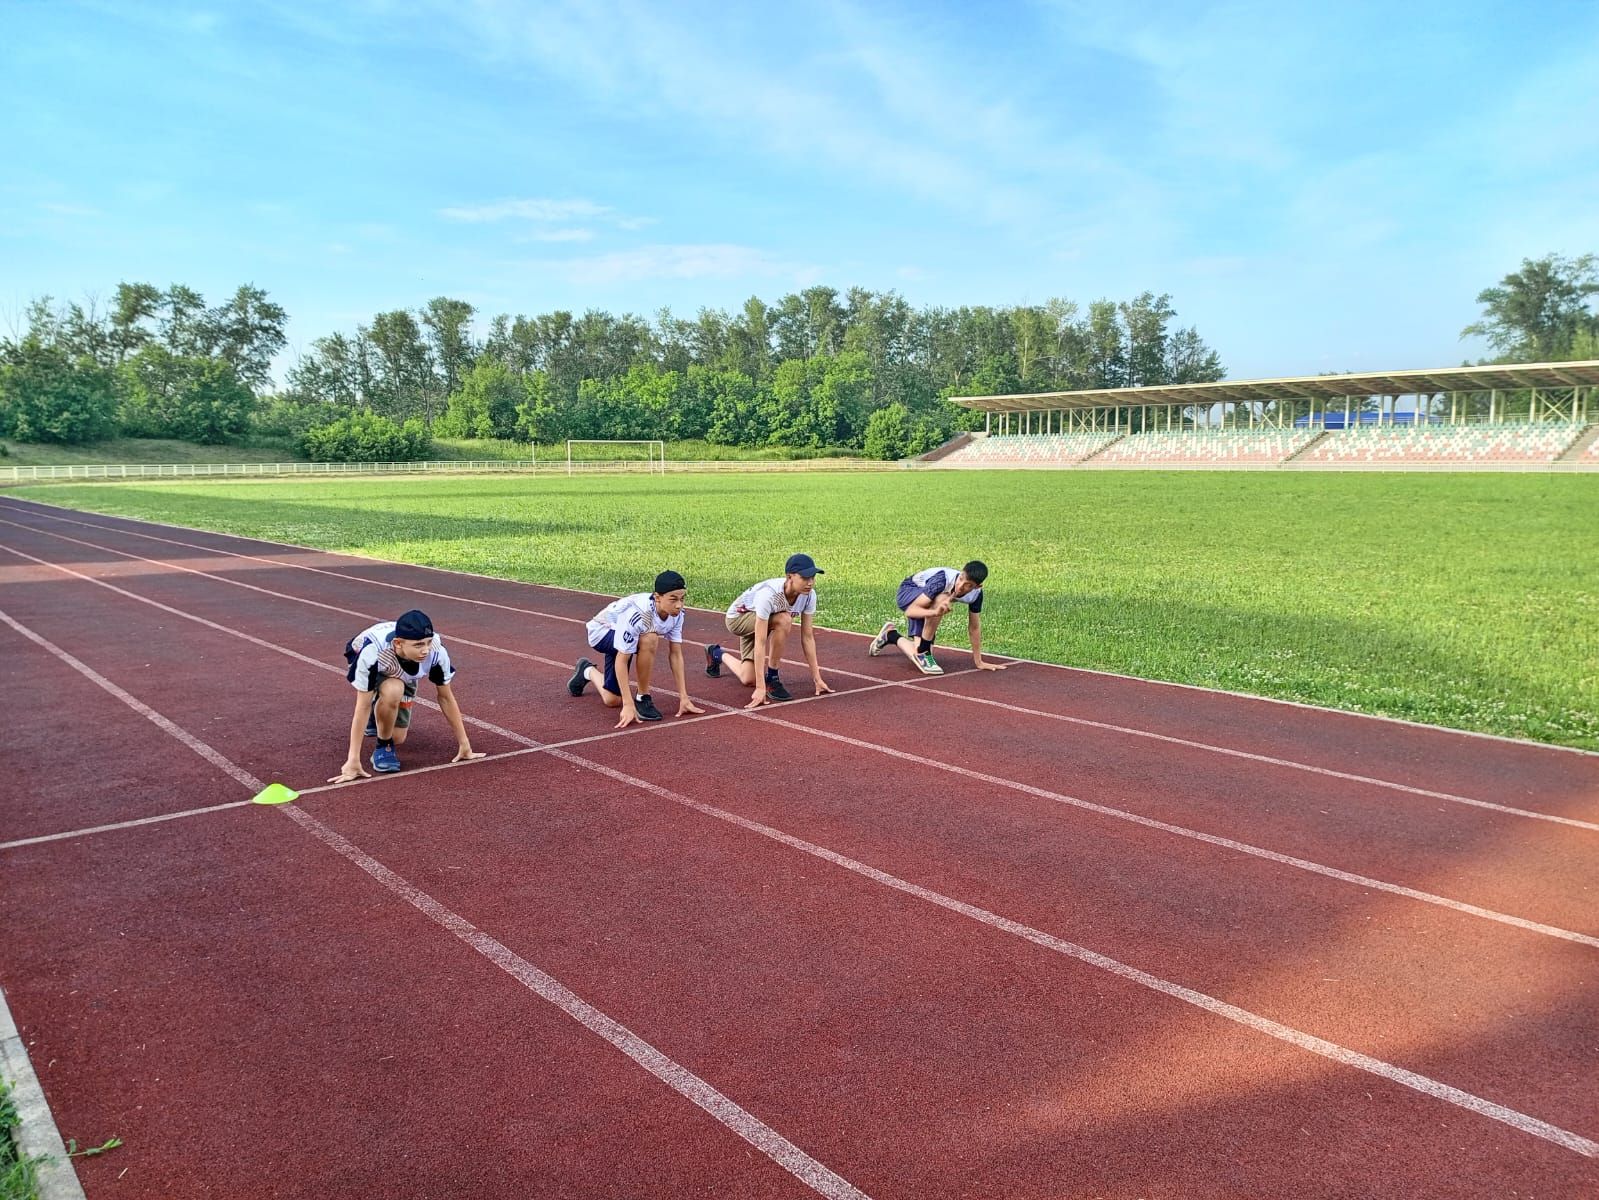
pixel 703 261
pixel 560 235
pixel 527 210
pixel 70 210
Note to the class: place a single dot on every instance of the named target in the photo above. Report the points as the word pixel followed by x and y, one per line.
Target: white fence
pixel 431 467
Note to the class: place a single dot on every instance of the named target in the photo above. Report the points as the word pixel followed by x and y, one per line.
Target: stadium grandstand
pixel 1532 416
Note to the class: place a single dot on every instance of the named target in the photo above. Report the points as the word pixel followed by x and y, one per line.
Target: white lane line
pixel 1266 758
pixel 676 1076
pixel 530 745
pixel 37 1135
pixel 722 1108
pixel 1221 1008
pixel 168 565
pixel 295 654
pixel 211 756
pixel 1211 839
pixel 1130 731
pixel 1103 810
pixel 159 818
pixel 1108 727
pixel 1525 743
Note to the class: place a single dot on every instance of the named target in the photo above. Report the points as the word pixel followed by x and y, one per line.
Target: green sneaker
pixel 928 665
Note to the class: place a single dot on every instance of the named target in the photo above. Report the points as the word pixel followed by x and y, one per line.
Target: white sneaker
pixel 881 639
pixel 928 665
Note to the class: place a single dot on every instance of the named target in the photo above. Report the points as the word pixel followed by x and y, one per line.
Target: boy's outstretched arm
pixel 452 714
pixel 808 644
pixel 974 630
pixel 352 768
pixel 685 706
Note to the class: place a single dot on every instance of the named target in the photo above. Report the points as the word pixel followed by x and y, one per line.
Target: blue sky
pixel 1318 187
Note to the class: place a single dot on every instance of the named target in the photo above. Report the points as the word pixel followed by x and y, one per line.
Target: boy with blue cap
pixel 386 663
pixel 762 617
pixel 628 632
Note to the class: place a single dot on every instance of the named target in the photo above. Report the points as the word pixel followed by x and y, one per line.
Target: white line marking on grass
pixel 1221 1008
pixel 1212 839
pixel 554 587
pixel 1266 758
pixel 37 1135
pixel 1120 814
pixel 676 1076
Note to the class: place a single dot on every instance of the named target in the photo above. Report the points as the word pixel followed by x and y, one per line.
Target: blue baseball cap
pixel 413 626
pixel 802 564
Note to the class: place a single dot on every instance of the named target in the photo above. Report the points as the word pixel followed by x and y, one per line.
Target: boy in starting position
pixel 926 598
pixel 386 663
pixel 762 617
pixel 629 631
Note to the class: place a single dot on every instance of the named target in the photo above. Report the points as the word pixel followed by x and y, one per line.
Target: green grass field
pixel 1463 600
pixel 139 450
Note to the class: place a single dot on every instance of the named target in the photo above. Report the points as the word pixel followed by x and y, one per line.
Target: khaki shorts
pixel 743 624
pixel 402 718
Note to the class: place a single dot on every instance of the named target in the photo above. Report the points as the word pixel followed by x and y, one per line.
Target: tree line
pixel 818 368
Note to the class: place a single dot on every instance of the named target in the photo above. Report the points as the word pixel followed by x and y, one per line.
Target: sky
pixel 1318 187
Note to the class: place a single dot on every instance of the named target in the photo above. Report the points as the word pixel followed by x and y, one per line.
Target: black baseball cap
pixel 802 564
pixel 668 581
pixel 413 626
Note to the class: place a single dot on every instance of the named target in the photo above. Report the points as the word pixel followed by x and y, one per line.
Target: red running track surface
pixel 826 910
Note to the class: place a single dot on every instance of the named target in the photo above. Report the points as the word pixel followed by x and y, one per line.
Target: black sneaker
pixel 645 707
pixel 713 661
pixel 776 691
pixel 580 677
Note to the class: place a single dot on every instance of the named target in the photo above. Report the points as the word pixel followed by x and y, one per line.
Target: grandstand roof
pixel 1321 387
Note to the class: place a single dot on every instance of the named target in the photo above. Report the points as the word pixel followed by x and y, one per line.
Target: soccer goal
pixel 615 454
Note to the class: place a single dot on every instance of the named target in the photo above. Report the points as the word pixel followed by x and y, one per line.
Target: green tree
pixel 193 399
pixel 485 405
pixel 1535 314
pixel 448 325
pixel 367 436
pixel 247 334
pixel 46 396
pixel 888 432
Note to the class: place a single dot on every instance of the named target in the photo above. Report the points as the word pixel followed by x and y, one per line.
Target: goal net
pixel 613 454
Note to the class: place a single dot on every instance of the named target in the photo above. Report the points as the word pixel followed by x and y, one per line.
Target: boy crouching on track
pixel 762 617
pixel 628 632
pixel 387 662
pixel 926 598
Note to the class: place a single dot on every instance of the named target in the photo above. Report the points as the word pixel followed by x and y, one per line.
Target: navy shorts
pixel 908 592
pixel 607 646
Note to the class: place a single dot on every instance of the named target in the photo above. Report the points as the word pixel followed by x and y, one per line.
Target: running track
pixel 1034 933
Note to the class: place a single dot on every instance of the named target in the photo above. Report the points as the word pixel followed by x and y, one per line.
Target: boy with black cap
pixel 925 598
pixel 387 662
pixel 630 630
pixel 762 617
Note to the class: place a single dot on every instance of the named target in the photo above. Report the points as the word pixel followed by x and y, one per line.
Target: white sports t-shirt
pixel 375 660
pixel 630 618
pixel 765 598
pixel 937 581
